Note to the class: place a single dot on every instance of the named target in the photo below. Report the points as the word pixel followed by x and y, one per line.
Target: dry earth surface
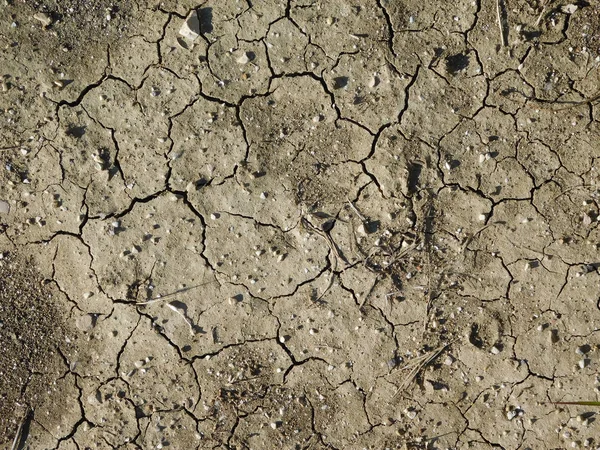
pixel 306 224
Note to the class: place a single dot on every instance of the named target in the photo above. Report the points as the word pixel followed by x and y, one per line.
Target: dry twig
pixel 418 364
pixel 503 37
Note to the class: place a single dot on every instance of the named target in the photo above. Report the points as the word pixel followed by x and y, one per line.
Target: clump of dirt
pixel 30 331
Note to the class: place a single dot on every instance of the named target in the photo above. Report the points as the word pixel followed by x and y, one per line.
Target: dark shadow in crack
pixel 414 172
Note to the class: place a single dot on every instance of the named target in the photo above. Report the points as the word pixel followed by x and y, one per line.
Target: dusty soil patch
pixel 31 330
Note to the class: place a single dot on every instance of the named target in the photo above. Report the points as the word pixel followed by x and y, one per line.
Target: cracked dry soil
pixel 303 224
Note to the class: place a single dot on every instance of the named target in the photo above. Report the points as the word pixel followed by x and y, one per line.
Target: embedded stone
pixel 191 26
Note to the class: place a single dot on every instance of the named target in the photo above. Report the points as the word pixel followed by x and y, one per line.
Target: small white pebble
pixel 411 414
pixel 243 59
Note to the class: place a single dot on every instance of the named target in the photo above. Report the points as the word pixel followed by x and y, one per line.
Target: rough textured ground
pixel 319 224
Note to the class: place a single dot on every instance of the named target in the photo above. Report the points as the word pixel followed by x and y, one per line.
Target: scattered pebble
pixel 373 81
pixel 191 27
pixel 569 9
pixel 410 413
pixel 243 59
pixel 85 323
pixel 44 18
